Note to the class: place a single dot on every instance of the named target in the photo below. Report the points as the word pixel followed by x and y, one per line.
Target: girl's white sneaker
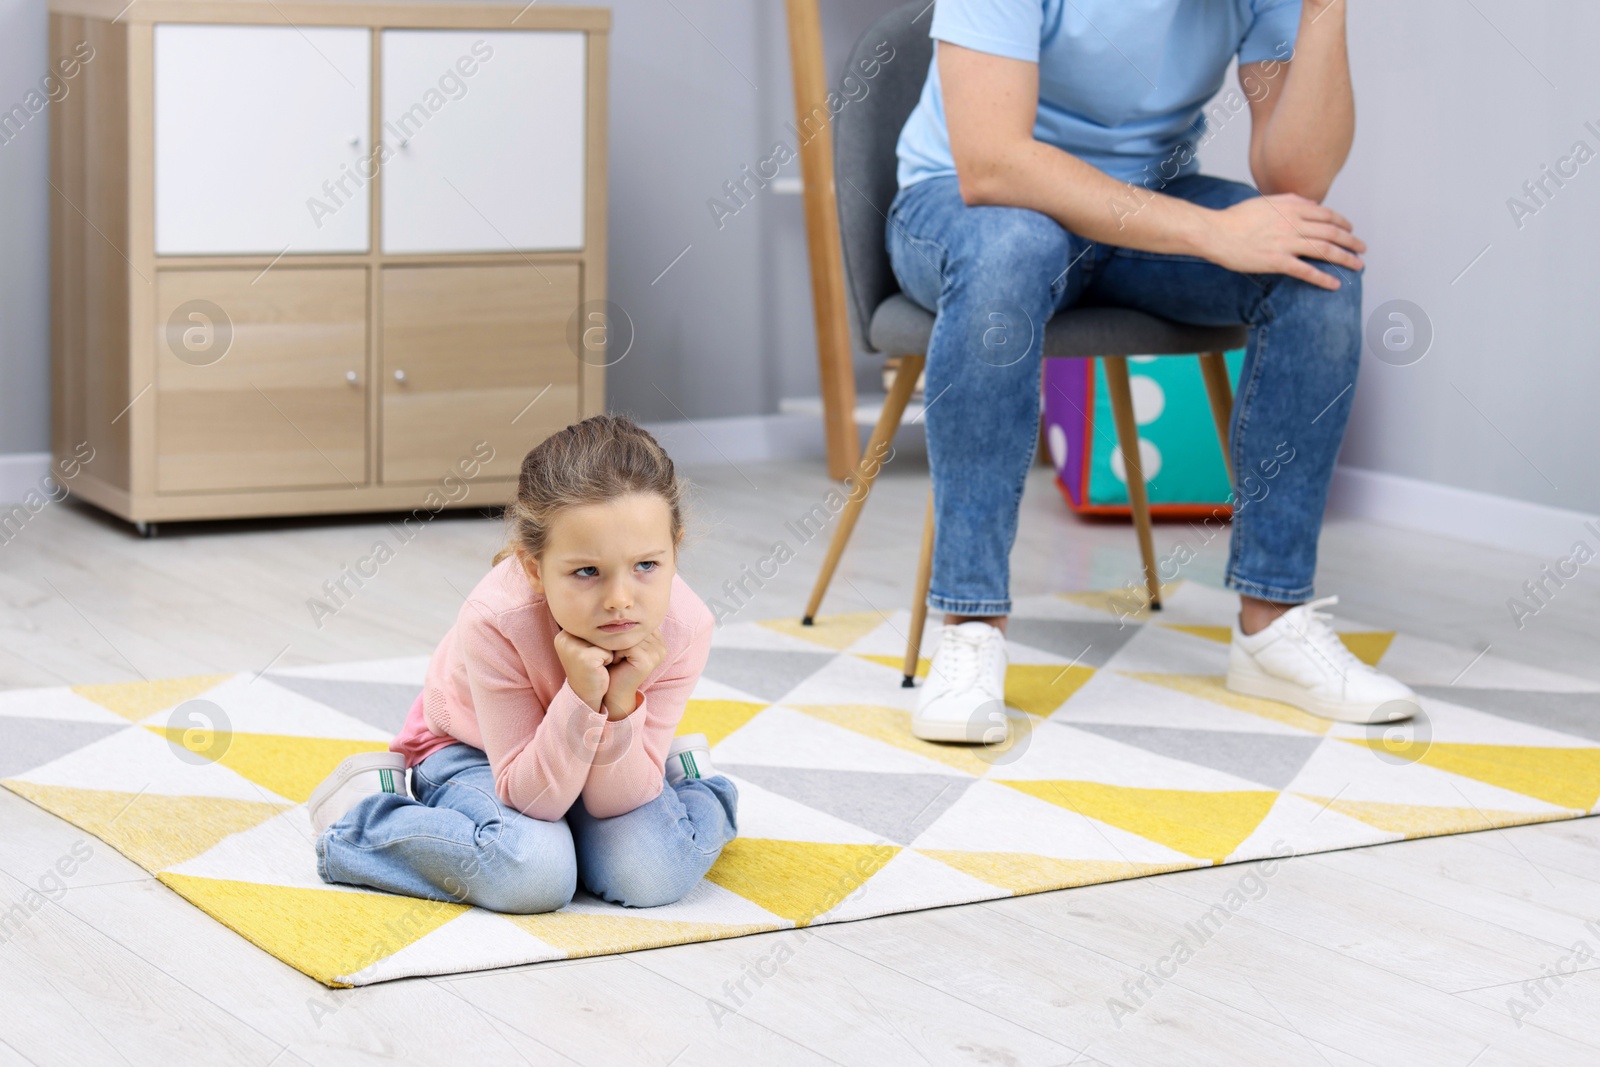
pixel 689 757
pixel 357 776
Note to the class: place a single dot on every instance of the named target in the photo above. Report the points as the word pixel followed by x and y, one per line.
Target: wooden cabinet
pixel 308 257
pixel 474 353
pixel 261 382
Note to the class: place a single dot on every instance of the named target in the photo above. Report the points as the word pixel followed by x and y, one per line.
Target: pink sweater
pixel 496 683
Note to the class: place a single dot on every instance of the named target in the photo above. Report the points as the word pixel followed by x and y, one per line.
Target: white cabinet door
pixel 261 139
pixel 483 140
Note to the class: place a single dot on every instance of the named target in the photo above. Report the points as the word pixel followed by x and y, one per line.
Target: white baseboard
pixel 21 473
pixel 1461 514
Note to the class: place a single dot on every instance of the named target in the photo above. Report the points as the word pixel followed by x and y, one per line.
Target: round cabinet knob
pixel 355 142
pixel 399 375
pixel 351 377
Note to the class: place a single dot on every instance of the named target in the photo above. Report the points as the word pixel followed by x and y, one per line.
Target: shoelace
pixel 962 659
pixel 1320 638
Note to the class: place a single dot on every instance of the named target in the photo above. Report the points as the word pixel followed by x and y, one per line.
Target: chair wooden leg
pixel 1128 437
pixel 919 605
pixel 1214 369
pixel 866 472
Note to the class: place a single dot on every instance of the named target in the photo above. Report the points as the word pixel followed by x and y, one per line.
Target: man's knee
pixel 1012 249
pixel 1334 309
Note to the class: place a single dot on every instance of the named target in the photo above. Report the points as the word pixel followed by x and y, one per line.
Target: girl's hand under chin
pixel 628 669
pixel 585 665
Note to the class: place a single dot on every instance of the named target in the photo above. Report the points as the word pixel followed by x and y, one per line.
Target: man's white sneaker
pixel 357 776
pixel 689 756
pixel 1299 660
pixel 963 697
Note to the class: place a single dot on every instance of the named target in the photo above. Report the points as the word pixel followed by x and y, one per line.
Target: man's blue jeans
pixel 456 841
pixel 995 275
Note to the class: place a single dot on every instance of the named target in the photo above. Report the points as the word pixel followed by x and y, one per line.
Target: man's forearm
pixel 1308 136
pixel 1090 203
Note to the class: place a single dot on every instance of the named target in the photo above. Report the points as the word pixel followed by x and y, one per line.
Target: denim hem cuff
pixel 969 607
pixel 322 856
pixel 1276 594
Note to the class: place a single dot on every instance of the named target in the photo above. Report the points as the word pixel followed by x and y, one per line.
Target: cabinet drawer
pixel 483 135
pixel 260 137
pixel 466 352
pixel 261 379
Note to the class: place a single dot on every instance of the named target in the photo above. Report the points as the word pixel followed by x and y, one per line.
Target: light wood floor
pixel 1397 954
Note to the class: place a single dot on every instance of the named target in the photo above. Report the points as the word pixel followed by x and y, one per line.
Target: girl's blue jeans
pixel 995 275
pixel 455 841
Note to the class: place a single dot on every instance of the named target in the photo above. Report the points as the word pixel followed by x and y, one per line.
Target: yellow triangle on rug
pixel 327 933
pixel 716 718
pixel 152 829
pixel 1206 825
pixel 798 880
pixel 289 766
pixel 1025 872
pixel 136 700
pixel 1566 777
pixel 588 934
pixel 1422 820
pixel 837 632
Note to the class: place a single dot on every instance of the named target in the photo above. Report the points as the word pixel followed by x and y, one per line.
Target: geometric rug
pixel 1122 755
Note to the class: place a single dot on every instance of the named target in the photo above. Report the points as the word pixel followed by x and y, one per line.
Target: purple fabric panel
pixel 1066 399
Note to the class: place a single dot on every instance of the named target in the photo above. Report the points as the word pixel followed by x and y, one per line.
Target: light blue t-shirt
pixel 1122 83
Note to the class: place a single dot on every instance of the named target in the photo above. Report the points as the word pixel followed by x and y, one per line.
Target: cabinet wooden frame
pixel 105 275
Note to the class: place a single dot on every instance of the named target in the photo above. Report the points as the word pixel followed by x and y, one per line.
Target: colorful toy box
pixel 1183 464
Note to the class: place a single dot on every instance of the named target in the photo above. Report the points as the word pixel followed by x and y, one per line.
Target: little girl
pixel 541 747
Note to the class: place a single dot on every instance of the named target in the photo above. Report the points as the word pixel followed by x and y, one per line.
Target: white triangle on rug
pixel 755 636
pixel 889 638
pixel 784 737
pixel 403 670
pixel 765 814
pixel 1417 661
pixel 1115 699
pixel 259 707
pixel 475 940
pixel 709 689
pixel 280 851
pixel 850 679
pixel 1158 650
pixel 139 760
pixel 1057 606
pixel 1459 725
pixel 58 702
pixel 1355 772
pixel 1305 827
pixel 990 817
pixel 1061 753
pixel 908 882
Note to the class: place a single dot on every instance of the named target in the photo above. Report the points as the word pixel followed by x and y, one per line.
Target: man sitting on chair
pixel 1050 162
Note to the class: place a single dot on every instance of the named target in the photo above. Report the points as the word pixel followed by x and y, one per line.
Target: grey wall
pixel 1457 106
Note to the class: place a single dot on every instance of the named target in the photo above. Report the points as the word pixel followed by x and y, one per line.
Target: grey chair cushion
pixel 901 327
pixel 865 133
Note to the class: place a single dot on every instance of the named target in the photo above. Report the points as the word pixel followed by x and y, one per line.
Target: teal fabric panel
pixel 1177 438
